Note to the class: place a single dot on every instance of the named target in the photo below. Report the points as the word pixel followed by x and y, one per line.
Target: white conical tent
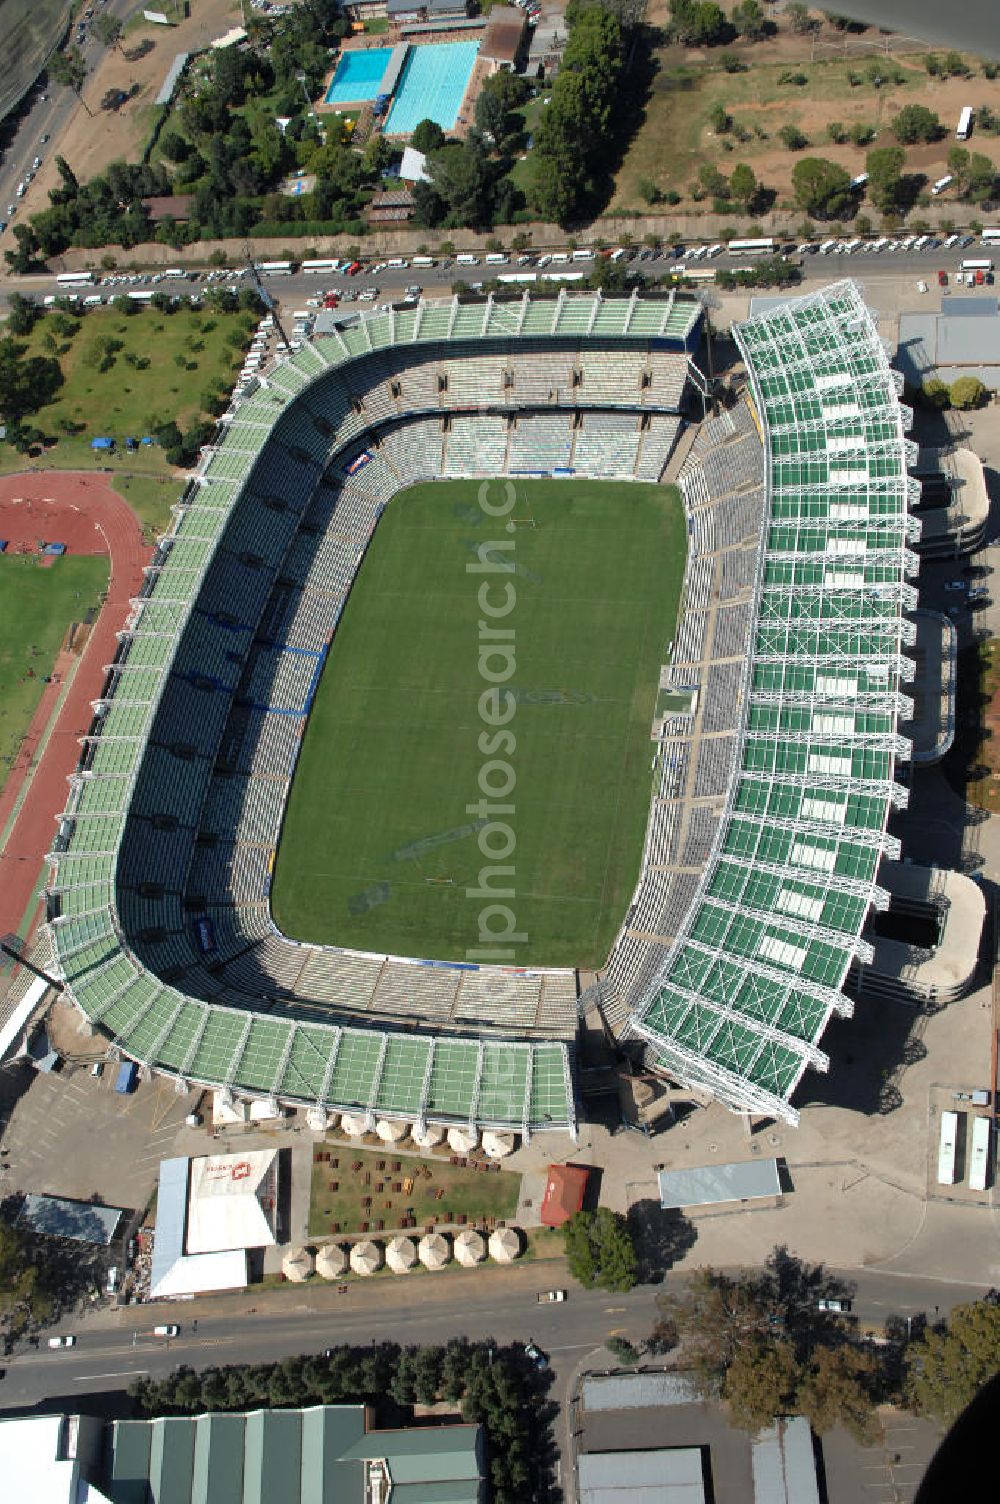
pixel 391 1130
pixel 470 1247
pixel 297 1265
pixel 428 1137
pixel 462 1140
pixel 498 1145
pixel 505 1245
pixel 401 1255
pixel 434 1250
pixel 355 1124
pixel 331 1261
pixel 366 1257
pixel 318 1120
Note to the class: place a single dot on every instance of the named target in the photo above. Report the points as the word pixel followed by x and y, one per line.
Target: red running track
pixel 83 512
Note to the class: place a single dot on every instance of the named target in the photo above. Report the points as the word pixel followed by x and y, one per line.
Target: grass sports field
pixel 36 608
pixel 378 845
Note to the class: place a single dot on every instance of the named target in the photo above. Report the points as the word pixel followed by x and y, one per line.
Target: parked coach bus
pixel 764 247
pixel 977 266
pixel 947 1148
pixel 980 1157
pixel 75 279
pixel 964 124
pixel 315 268
pixel 276 268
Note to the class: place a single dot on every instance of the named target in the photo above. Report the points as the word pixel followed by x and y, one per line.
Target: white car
pixel 837 1307
pixel 169 1330
pixel 545 1296
pixel 67 1341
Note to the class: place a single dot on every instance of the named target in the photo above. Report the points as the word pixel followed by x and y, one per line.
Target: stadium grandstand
pixel 158 900
pixel 779 741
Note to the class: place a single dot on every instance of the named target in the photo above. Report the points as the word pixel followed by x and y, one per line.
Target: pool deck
pixel 392 38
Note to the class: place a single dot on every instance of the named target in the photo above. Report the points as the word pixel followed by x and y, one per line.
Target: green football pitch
pixel 379 845
pixel 37 605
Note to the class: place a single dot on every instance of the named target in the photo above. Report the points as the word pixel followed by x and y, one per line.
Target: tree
pixel 884 165
pixel 950 1364
pixel 175 146
pixel 916 123
pixel 748 18
pixel 743 186
pixel 109 30
pixel 839 1389
pixel 428 136
pixel 600 1250
pixel 68 68
pixel 698 23
pixel 22 313
pixel 720 119
pixel 967 392
pixel 793 138
pixel 822 188
pixel 798 14
pixel 760 1383
pixel 25 384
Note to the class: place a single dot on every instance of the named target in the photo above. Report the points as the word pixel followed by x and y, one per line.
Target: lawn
pixel 430 1189
pixel 37 606
pixel 193 354
pixel 379 843
pixel 150 497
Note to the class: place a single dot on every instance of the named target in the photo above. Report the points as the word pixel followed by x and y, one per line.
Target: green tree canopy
pixel 884 165
pixel 967 392
pixel 26 383
pixel 743 185
pixel 822 188
pixel 428 136
pixel 916 123
pixel 947 1367
pixel 600 1250
pixel 839 1388
pixel 760 1382
pixel 698 23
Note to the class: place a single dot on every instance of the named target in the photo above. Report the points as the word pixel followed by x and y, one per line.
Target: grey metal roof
pixel 670 1475
pixel 79 1220
pixel 171 1213
pixel 784 1466
pixel 705 1185
pixel 638 1391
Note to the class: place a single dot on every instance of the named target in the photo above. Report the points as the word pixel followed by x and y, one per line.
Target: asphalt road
pixel 48 115
pixel 114 1347
pixel 293 291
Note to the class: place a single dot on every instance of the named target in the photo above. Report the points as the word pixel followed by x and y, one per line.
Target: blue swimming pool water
pixel 358 76
pixel 431 86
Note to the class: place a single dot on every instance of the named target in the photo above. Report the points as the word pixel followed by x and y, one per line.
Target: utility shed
pixel 711 1185
pixel 784 1464
pixel 671 1475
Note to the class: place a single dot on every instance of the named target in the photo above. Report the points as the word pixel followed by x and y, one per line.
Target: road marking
pixel 614 1310
pixel 120 1373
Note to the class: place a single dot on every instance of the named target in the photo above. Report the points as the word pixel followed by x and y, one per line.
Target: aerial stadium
pixel 774 734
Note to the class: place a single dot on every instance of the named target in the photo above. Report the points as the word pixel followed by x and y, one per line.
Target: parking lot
pixel 69 1133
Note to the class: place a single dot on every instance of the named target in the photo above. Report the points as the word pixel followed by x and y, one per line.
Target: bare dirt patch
pixel 90 143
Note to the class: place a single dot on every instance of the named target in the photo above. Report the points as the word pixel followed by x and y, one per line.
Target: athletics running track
pixel 83 512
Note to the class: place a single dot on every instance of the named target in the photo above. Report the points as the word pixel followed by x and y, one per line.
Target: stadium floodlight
pixel 12 945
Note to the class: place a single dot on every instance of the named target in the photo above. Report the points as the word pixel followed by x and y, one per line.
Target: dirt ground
pixel 676 137
pixel 90 144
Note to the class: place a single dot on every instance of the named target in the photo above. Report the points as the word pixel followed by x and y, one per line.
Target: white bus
pixel 763 247
pixel 964 124
pixel 517 277
pixel 276 268
pixel 977 266
pixel 564 276
pixel 991 235
pixel 75 279
pixel 317 268
pixel 979 1161
pixel 947 1148
pixel 175 273
pixel 141 297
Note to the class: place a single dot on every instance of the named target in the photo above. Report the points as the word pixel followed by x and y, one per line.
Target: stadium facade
pixel 159 902
pixel 159 898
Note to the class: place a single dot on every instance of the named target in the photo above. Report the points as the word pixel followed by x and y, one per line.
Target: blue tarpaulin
pixel 54 548
pixel 102 443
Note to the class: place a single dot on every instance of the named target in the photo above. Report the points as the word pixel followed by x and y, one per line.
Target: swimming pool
pixel 431 86
pixel 358 76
